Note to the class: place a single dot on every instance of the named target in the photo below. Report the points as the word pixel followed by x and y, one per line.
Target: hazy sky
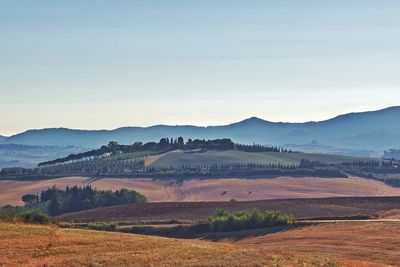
pixel 105 64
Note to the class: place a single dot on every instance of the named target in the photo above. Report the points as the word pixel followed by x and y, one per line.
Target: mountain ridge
pixel 343 130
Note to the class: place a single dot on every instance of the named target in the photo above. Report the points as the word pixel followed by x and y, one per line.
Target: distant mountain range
pixel 374 130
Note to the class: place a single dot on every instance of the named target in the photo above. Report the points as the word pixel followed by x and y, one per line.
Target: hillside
pixel 31 245
pixel 178 158
pixel 240 189
pixel 348 244
pixel 301 208
pixel 356 244
pixel 375 130
pixel 27 156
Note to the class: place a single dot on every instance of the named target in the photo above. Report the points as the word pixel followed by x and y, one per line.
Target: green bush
pixel 242 220
pixel 66 225
pixel 35 216
pixel 103 226
pixel 18 214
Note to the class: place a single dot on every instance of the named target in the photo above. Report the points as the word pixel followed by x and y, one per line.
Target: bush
pixel 104 226
pixel 36 216
pixel 18 214
pixel 242 220
pixel 66 225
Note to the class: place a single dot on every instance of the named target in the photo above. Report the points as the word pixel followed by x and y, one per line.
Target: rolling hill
pixel 374 130
pixel 178 158
pixel 240 189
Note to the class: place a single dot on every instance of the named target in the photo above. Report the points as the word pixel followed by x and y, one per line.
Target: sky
pixel 105 64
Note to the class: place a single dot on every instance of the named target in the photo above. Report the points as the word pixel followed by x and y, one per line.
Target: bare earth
pixel 211 189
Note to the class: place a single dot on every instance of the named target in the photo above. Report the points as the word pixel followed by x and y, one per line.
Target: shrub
pixel 35 216
pixel 103 226
pixel 66 225
pixel 242 220
pixel 18 214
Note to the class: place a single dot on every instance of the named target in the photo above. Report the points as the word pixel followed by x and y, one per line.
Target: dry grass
pixel 354 243
pixel 337 244
pixel 30 245
pixel 211 189
pixel 389 214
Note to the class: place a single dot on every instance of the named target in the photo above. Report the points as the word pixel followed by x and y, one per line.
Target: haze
pixel 105 64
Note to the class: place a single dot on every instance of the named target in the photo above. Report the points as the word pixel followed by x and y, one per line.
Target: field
pixel 179 158
pixel 210 189
pixel 351 242
pixel 49 245
pixel 198 211
pixel 339 244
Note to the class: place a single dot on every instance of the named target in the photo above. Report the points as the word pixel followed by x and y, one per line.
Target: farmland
pixel 219 158
pixel 338 244
pixel 223 189
pixel 49 245
pixel 198 211
pixel 355 243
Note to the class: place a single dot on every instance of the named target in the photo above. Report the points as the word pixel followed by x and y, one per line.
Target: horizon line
pixel 204 126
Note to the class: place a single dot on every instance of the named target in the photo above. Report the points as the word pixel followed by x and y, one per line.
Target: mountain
pixel 373 130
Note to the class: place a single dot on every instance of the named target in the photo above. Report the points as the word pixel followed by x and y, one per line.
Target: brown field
pixel 351 242
pixel 198 211
pixel 333 244
pixel 211 189
pixel 32 245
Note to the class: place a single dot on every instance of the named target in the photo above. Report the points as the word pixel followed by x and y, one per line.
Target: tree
pixel 55 205
pixel 30 199
pixel 181 142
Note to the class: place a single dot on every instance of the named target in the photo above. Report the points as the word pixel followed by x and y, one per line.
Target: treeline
pixel 230 170
pixel 224 221
pixel 57 201
pixel 164 145
pixel 261 148
pixel 136 168
pixel 386 163
pixel 93 167
pixel 85 167
pixel 392 154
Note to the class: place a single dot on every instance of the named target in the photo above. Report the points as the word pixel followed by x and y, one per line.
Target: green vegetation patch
pixel 18 214
pixel 103 226
pixel 224 221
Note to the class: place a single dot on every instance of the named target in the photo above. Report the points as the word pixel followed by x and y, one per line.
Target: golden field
pixel 33 245
pixel 211 189
pixel 328 244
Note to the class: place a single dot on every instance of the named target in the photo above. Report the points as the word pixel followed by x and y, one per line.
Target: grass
pixel 328 245
pixel 355 243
